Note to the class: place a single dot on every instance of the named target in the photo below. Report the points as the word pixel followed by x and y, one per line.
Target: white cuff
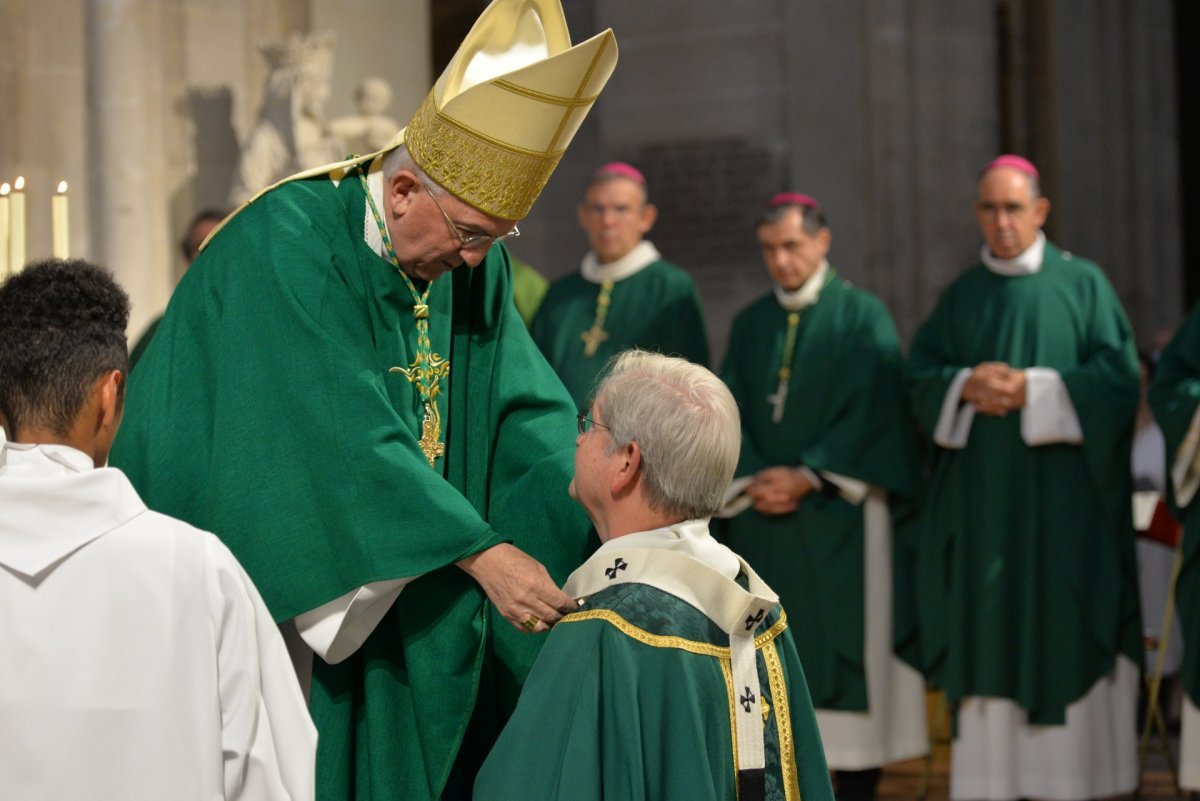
pixel 1049 416
pixel 812 477
pixel 1185 470
pixel 852 489
pixel 954 423
pixel 337 629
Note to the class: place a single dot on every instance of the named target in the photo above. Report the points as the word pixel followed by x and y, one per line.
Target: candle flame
pixel 19 184
pixel 62 187
pixel 5 188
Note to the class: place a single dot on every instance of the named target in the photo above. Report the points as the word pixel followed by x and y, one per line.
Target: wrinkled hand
pixel 779 490
pixel 995 388
pixel 519 586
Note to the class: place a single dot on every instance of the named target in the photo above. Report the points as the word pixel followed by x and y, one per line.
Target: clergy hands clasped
pixel 995 388
pixel 779 490
pixel 519 587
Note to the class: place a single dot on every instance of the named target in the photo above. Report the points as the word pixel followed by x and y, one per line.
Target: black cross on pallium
pixel 747 700
pixel 611 572
pixel 753 620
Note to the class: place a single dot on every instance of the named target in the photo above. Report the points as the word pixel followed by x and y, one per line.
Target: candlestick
pixel 4 211
pixel 16 229
pixel 59 227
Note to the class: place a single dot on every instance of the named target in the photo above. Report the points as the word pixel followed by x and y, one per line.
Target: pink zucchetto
pixel 1018 163
pixel 793 199
pixel 622 169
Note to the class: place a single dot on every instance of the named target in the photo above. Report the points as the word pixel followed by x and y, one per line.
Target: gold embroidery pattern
pixel 667 641
pixel 783 723
pixel 596 334
pixel 496 178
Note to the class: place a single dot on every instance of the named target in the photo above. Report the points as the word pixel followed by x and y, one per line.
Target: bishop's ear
pixel 402 189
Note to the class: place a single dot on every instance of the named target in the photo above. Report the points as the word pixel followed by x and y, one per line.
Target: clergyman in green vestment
pixel 677 678
pixel 828 451
pixel 1025 380
pixel 625 294
pixel 379 442
pixel 1175 399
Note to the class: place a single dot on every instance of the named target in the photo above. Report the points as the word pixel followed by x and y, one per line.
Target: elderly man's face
pixel 1007 212
pixel 616 217
pixel 422 232
pixel 792 254
pixel 589 486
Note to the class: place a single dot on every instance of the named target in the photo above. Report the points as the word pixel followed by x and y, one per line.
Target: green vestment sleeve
pixel 846 413
pixel 267 411
pixel 1174 397
pixel 1026 574
pixel 630 700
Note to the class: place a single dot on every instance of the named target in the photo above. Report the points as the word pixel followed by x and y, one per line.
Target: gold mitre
pixel 496 123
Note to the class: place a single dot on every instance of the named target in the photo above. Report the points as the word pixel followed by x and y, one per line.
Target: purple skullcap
pixel 622 169
pixel 793 199
pixel 1018 163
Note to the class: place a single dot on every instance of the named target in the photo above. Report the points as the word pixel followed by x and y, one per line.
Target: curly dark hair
pixel 62 326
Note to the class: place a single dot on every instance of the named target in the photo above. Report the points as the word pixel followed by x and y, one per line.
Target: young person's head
pixel 63 357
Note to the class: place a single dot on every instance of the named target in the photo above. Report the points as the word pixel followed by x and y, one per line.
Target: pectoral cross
pixel 427 374
pixel 777 399
pixel 592 338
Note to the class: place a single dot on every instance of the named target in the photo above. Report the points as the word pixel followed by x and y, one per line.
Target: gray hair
pixel 811 220
pixel 400 159
pixel 684 420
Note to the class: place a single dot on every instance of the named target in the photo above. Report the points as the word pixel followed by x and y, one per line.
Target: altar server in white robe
pixel 138 660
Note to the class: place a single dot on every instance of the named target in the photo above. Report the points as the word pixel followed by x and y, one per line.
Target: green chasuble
pixel 656 309
pixel 1174 397
pixel 845 412
pixel 1027 582
pixel 266 410
pixel 632 699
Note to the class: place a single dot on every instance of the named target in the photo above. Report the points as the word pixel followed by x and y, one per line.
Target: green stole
pixel 845 412
pixel 1026 575
pixel 265 411
pixel 655 309
pixel 1174 397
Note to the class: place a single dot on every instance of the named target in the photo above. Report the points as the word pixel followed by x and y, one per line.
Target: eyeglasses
pixel 469 240
pixel 585 423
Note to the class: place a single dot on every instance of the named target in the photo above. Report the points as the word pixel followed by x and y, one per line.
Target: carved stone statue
pixel 292 133
pixel 371 128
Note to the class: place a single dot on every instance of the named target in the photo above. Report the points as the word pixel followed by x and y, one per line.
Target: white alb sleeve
pixel 268 740
pixel 1049 415
pixel 954 423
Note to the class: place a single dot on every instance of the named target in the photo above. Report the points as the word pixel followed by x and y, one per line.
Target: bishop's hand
pixel 519 587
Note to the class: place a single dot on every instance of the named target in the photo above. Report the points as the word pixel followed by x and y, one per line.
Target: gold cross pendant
pixel 592 339
pixel 431 434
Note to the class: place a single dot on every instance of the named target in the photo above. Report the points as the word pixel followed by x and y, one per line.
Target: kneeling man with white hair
pixel 677 677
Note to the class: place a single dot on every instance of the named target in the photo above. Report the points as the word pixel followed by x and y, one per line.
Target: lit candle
pixel 16 230
pixel 4 204
pixel 59 227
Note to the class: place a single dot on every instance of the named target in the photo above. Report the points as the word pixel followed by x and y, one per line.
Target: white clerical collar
pixel 1027 262
pixel 808 293
pixel 642 256
pixel 371 234
pixel 690 537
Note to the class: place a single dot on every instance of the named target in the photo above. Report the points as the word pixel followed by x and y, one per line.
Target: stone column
pixel 128 198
